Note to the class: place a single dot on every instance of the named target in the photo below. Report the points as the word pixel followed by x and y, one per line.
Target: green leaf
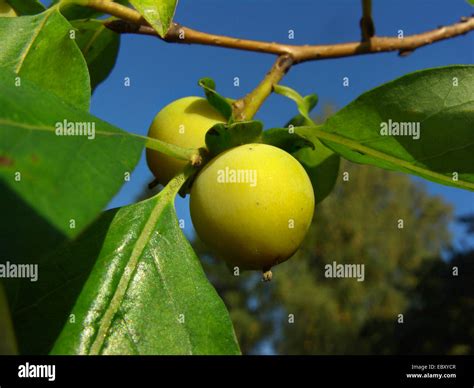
pixel 321 164
pixel 40 309
pixel 42 236
pixel 159 13
pixel 470 2
pixel 40 49
pixel 147 293
pixel 304 104
pixel 62 178
pixel 7 335
pixel 222 104
pixel 99 45
pixel 224 136
pixel 26 7
pixel 440 101
pixel 286 139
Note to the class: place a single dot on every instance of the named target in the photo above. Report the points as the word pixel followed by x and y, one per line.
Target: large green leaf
pixel 40 309
pixel 63 178
pixel 7 335
pixel 285 139
pixel 441 100
pixel 99 46
pixel 147 293
pixel 159 13
pixel 322 166
pixel 26 7
pixel 39 48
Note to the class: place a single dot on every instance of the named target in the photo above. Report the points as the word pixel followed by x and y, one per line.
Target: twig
pixel 367 26
pixel 377 44
pixel 246 107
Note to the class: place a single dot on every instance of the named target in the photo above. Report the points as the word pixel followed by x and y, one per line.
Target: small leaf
pixel 26 7
pixel 470 2
pixel 225 136
pixel 321 164
pixel 99 45
pixel 421 124
pixel 159 13
pixel 304 104
pixel 66 177
pixel 39 48
pixel 285 139
pixel 222 104
pixel 147 293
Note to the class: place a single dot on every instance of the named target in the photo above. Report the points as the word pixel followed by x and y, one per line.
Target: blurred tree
pixel 441 316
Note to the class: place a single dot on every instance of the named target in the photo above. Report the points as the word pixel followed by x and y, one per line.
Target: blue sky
pixel 162 72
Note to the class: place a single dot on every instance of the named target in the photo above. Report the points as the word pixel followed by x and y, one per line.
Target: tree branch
pixel 246 107
pixel 367 26
pixel 180 34
pixel 114 9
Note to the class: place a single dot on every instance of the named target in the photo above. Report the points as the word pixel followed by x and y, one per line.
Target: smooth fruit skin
pixel 6 10
pixel 183 122
pixel 253 226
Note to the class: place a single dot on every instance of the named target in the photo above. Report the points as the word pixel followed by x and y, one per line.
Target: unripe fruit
pixel 253 205
pixel 6 10
pixel 183 122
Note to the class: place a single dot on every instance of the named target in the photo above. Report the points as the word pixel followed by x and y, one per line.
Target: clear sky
pixel 162 72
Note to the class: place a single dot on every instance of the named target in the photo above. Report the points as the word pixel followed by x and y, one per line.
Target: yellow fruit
pixel 183 122
pixel 6 10
pixel 253 205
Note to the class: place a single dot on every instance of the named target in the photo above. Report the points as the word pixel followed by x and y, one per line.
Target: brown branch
pixel 367 26
pixel 246 107
pixel 180 34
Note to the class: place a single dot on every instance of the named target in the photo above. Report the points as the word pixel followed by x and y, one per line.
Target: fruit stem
pixel 192 155
pixel 115 9
pixel 246 107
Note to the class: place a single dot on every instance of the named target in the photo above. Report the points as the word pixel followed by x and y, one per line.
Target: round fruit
pixel 183 122
pixel 6 10
pixel 253 205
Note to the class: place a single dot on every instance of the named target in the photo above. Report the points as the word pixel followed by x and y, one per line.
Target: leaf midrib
pixel 43 128
pixel 94 37
pixel 33 38
pixel 338 139
pixel 162 200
